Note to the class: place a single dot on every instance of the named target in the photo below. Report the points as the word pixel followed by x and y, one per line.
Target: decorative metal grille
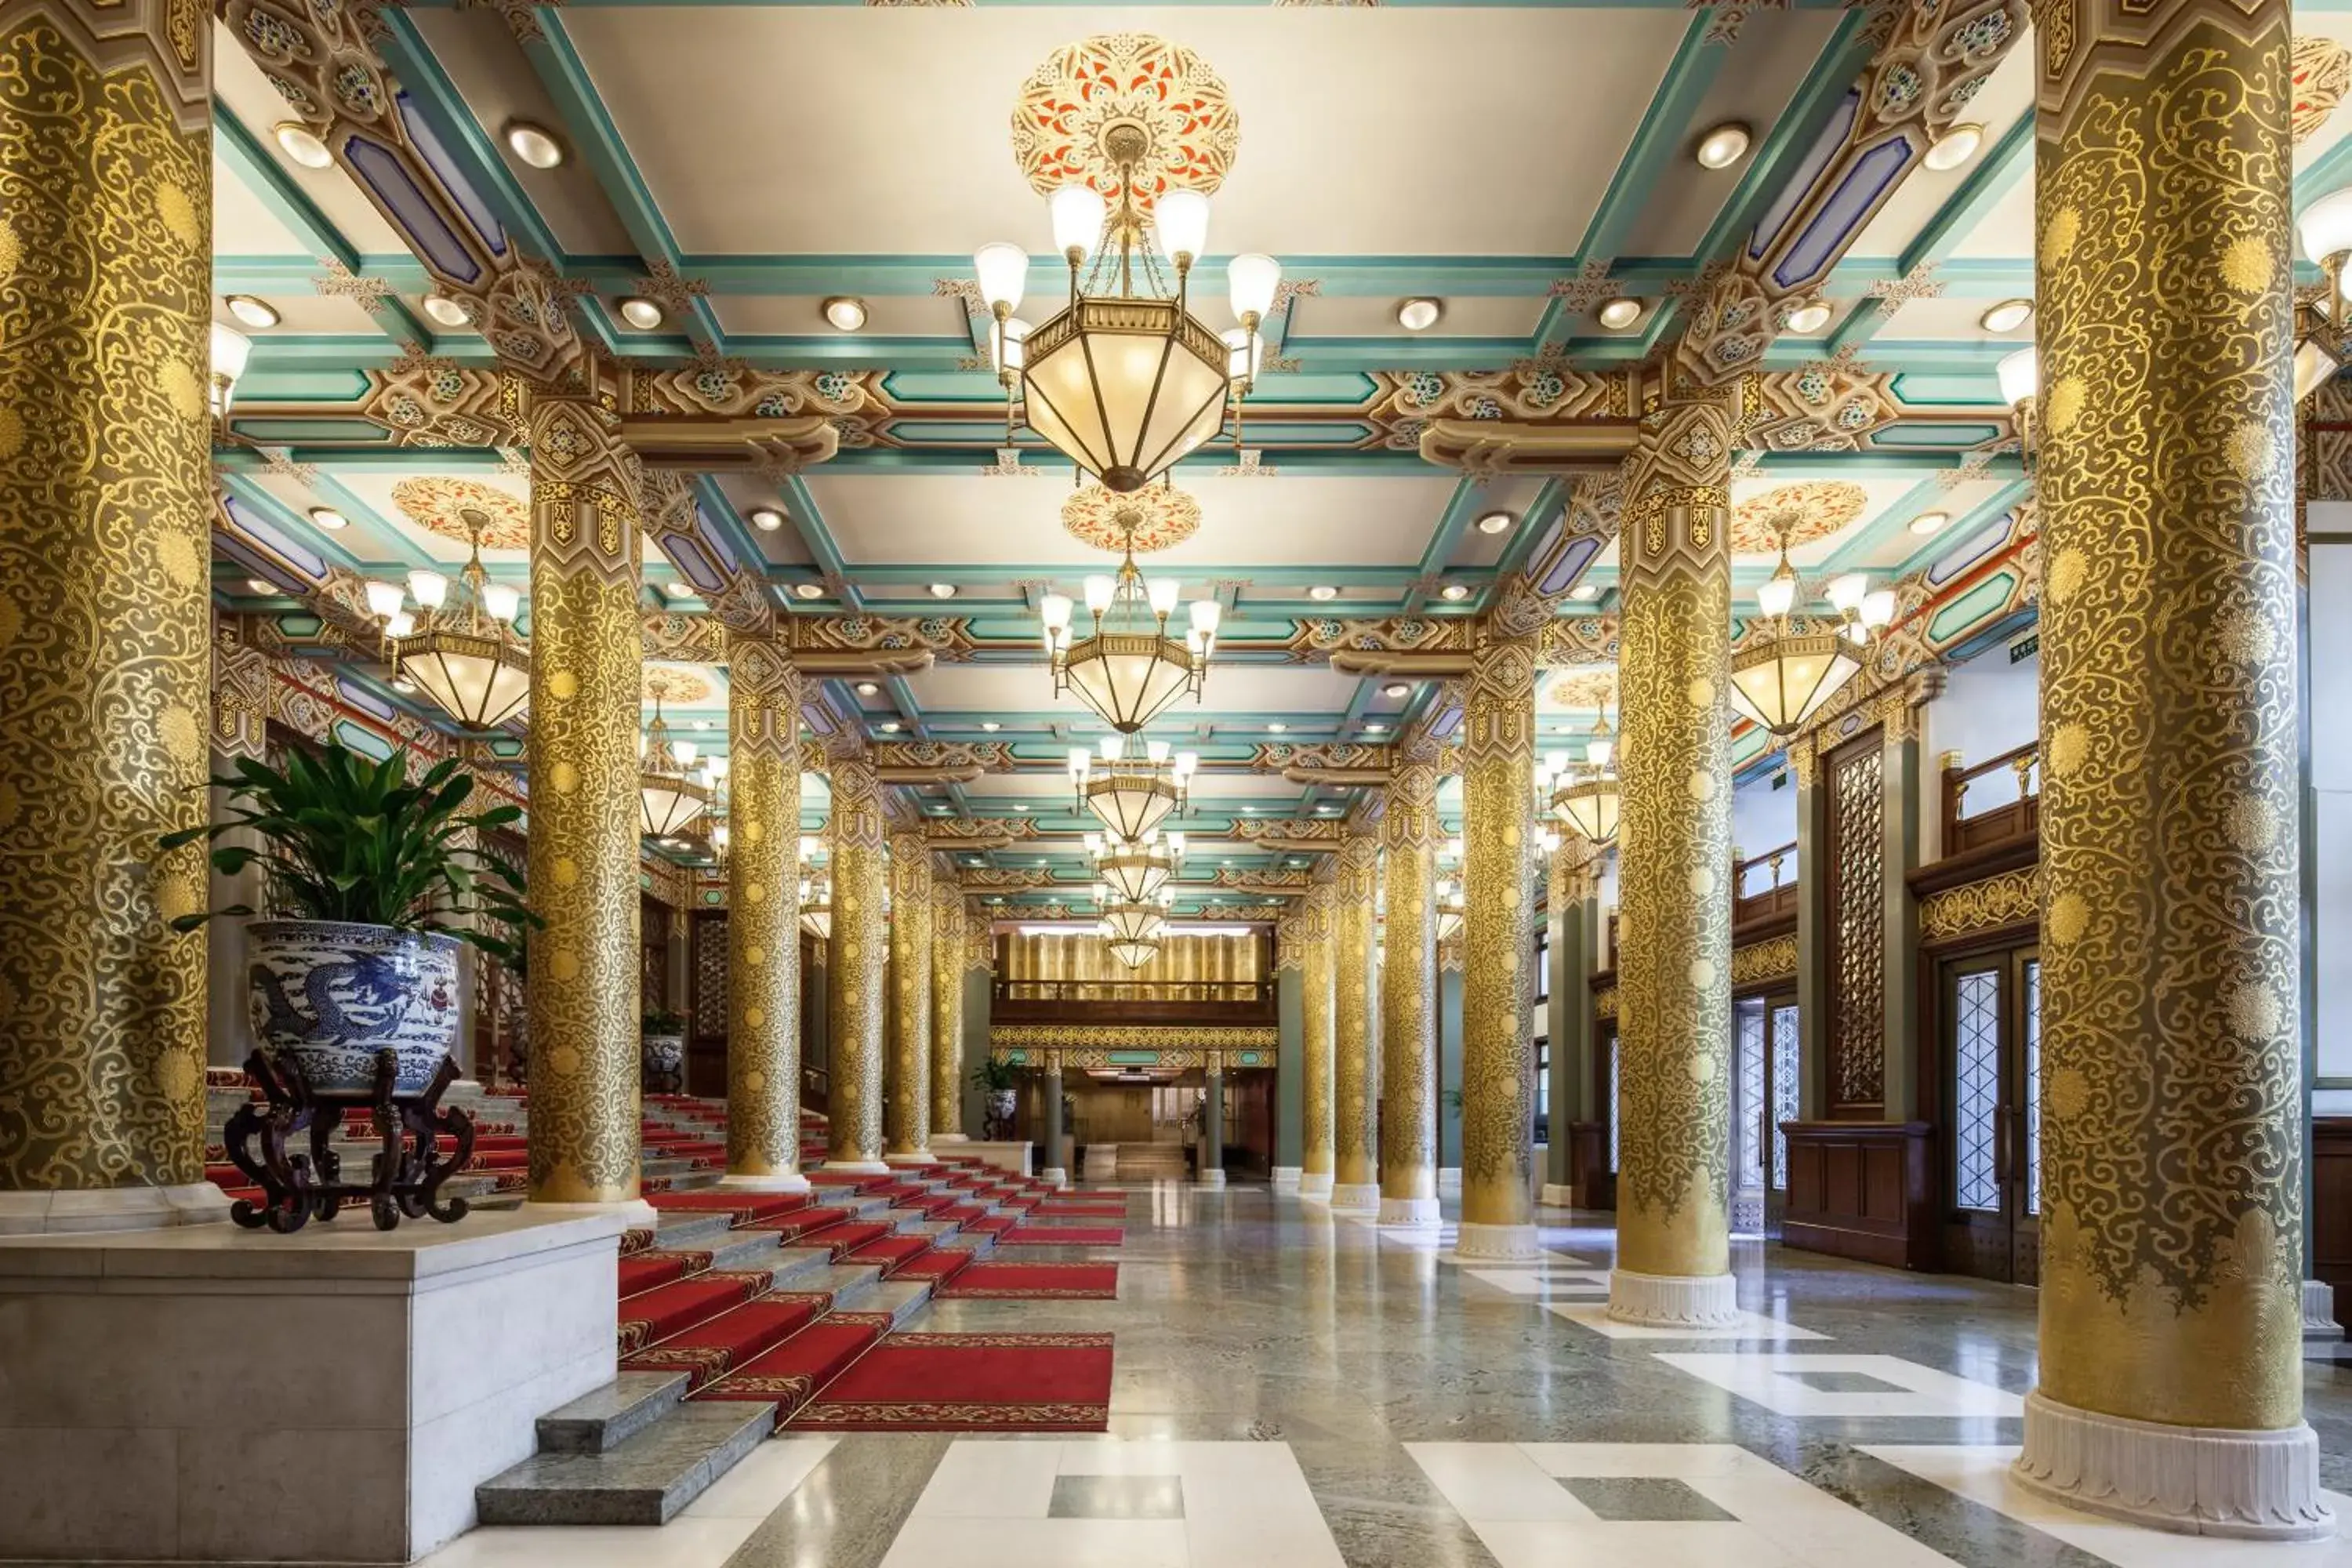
pixel 1976 1093
pixel 1858 929
pixel 1747 1096
pixel 710 975
pixel 1614 1104
pixel 2033 1086
pixel 1785 1088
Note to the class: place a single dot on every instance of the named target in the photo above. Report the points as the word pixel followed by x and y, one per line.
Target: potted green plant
pixel 374 881
pixel 997 1080
pixel 661 1049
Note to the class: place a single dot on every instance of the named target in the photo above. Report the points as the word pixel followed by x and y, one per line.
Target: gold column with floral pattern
pixel 2171 1378
pixel 1674 967
pixel 947 1013
pixel 1315 1010
pixel 763 944
pixel 907 1071
pixel 105 505
pixel 587 688
pixel 854 1000
pixel 1499 1075
pixel 1408 836
pixel 1355 1035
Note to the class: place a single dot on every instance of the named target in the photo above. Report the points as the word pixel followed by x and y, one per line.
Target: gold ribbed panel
pixel 1184 957
pixel 1315 1018
pixel 947 1008
pixel 1675 849
pixel 105 505
pixel 1356 1073
pixel 907 1061
pixel 2171 1130
pixel 764 947
pixel 854 999
pixel 1409 836
pixel 586 688
pixel 1498 1074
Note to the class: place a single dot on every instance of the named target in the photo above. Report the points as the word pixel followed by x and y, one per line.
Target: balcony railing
pixel 1764 887
pixel 1132 1001
pixel 1995 801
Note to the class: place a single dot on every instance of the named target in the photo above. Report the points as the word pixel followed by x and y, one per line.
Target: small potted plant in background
pixel 996 1080
pixel 663 1050
pixel 374 881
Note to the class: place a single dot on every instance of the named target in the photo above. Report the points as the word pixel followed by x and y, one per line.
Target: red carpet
pixel 969 1383
pixel 712 1347
pixel 1088 1208
pixel 1035 1281
pixel 658 1313
pixel 805 1363
pixel 1064 1235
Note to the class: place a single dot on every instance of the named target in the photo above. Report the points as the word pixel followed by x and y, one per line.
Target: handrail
pixel 1131 990
pixel 2016 818
pixel 1773 859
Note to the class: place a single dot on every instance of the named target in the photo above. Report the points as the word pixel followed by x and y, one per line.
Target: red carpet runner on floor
pixel 1063 1236
pixel 1035 1281
pixel 971 1383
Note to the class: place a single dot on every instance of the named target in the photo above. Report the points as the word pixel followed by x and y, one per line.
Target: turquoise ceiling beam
pixel 808 519
pixel 1665 125
pixel 275 189
pixel 301 275
pixel 1995 174
pixel 2002 503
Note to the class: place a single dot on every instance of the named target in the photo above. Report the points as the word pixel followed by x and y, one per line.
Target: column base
pixel 1285 1178
pixel 1211 1177
pixel 2189 1480
pixel 1556 1195
pixel 1499 1242
pixel 950 1138
pixel 913 1157
pixel 1419 1213
pixel 1314 1184
pixel 779 1181
pixel 2319 1312
pixel 1056 1175
pixel 635 1210
pixel 859 1167
pixel 1357 1197
pixel 113 1208
pixel 1674 1300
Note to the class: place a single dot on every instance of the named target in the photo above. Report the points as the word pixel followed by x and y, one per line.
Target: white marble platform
pixel 209 1394
pixel 1008 1156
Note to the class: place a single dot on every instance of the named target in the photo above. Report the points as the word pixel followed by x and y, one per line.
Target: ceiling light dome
pixel 1128 670
pixel 670 798
pixel 1132 790
pixel 464 655
pixel 1137 872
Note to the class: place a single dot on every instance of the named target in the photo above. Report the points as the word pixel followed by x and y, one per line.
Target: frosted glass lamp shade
pixel 1252 281
pixel 481 681
pixel 2020 374
pixel 1124 388
pixel 1181 218
pixel 2325 226
pixel 1078 214
pixel 1590 807
pixel 1004 274
pixel 1782 682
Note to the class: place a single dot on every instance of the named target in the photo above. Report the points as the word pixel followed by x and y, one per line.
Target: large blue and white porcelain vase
pixel 327 996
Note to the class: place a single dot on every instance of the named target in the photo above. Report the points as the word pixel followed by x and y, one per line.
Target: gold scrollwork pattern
pixel 1315 1021
pixel 853 997
pixel 948 917
pixel 1675 848
pixel 763 945
pixel 2171 1159
pixel 1065 1046
pixel 587 683
pixel 1408 1101
pixel 1498 1080
pixel 907 1058
pixel 105 631
pixel 1604 1002
pixel 2013 898
pixel 1356 1053
pixel 1775 959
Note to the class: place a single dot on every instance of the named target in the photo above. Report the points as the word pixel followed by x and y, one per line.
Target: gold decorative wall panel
pixel 2171 1143
pixel 105 626
pixel 1857 927
pixel 907 1062
pixel 1315 1021
pixel 763 946
pixel 1409 839
pixel 1499 1075
pixel 853 999
pixel 2013 898
pixel 947 1008
pixel 1078 1045
pixel 586 685
pixel 1674 973
pixel 1187 963
pixel 1762 961
pixel 1356 1072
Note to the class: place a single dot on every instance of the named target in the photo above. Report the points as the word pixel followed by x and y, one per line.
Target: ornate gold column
pixel 1408 836
pixel 2172 1390
pixel 105 517
pixel 1498 1075
pixel 1315 1010
pixel 586 695
pixel 763 939
pixel 1673 882
pixel 947 1013
pixel 909 1069
pixel 854 999
pixel 1356 1053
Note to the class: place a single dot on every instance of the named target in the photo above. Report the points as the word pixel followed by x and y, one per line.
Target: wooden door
pixel 1991 1008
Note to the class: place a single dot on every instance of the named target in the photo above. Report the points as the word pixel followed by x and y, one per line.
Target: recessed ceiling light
pixel 1322 593
pixel 327 517
pixel 1276 729
pixel 259 586
pixel 678 590
pixel 1619 314
pixel 449 313
pixel 1494 523
pixel 2007 316
pixel 702 724
pixel 1954 147
pixel 1585 593
pixel 943 590
pixel 1929 523
pixel 1420 314
pixel 1456 592
pixel 1722 147
pixel 253 313
pixel 846 311
pixel 534 145
pixel 1020 809
pixel 301 143
pixel 402 684
pixel 767 519
pixel 889 729
pixel 1376 728
pixel 1810 317
pixel 809 590
pixel 865 688
pixel 989 726
pixel 641 313
pixel 1395 689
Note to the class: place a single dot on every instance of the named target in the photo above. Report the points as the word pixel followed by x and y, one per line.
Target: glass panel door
pixel 1991 1008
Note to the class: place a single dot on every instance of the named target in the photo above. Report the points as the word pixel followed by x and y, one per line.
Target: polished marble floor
pixel 1299 1391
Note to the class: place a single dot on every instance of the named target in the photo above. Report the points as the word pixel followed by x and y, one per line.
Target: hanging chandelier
pixel 1138 921
pixel 1136 870
pixel 1783 677
pixel 671 796
pixel 464 655
pixel 817 905
pixel 1124 380
pixel 1587 798
pixel 1134 955
pixel 1131 794
pixel 1128 670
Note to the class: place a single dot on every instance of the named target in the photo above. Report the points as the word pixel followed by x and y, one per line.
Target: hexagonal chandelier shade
pixel 1128 670
pixel 1131 794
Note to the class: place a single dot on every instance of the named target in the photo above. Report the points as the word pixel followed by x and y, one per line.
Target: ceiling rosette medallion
pixel 1794 515
pixel 1082 92
pixel 1155 518
pixel 440 504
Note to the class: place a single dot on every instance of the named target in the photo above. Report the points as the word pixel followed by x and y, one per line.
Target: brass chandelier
pixel 669 794
pixel 461 653
pixel 1131 793
pixel 1586 798
pixel 1128 670
pixel 1783 677
pixel 1136 870
pixel 1132 929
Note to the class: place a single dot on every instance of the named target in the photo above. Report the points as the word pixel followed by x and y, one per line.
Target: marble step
pixel 979 1243
pixel 690 1230
pixel 801 1268
pixel 851 1285
pixel 599 1422
pixel 645 1479
pixel 902 1298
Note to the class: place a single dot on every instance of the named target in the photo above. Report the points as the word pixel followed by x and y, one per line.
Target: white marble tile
pixel 1981 1474
pixel 1751 1326
pixel 1541 1279
pixel 1008 1479
pixel 1773 1379
pixel 759 1484
pixel 1513 1496
pixel 683 1542
pixel 929 1542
